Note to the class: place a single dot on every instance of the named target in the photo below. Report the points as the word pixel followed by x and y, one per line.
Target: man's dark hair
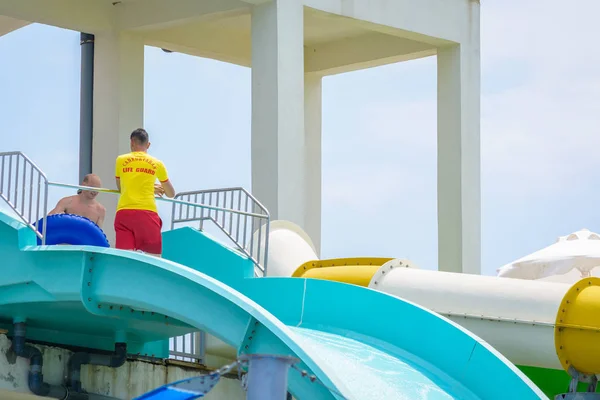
pixel 140 136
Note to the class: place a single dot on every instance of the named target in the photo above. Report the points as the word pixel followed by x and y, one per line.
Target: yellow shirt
pixel 138 172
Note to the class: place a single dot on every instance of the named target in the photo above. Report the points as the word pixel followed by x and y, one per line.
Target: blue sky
pixel 539 129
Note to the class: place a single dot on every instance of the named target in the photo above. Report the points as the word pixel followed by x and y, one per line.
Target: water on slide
pixel 371 373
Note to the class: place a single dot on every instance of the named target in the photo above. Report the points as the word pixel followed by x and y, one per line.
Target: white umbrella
pixel 571 277
pixel 579 250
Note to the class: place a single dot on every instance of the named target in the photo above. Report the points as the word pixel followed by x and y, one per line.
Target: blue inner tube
pixel 72 229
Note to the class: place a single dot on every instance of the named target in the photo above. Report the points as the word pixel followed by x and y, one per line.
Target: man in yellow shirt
pixel 137 224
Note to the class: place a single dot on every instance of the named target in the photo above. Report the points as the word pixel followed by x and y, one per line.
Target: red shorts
pixel 138 230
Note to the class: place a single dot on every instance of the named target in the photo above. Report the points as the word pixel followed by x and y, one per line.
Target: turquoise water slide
pixel 359 343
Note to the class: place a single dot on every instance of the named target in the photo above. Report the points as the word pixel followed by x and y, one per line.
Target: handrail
pixel 37 188
pixel 221 190
pixel 168 200
pixel 245 243
pixel 241 232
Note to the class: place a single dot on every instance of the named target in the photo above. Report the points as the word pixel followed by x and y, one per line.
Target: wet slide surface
pixel 370 371
pixel 372 345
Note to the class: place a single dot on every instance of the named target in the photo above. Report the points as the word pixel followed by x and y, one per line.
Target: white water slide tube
pixel 515 316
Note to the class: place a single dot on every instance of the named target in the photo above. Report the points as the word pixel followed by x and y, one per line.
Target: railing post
pixel 44 224
pixel 266 258
pixel 200 346
pixel 173 215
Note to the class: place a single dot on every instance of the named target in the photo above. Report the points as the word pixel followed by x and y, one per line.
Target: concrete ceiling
pixel 221 29
pixel 7 25
pixel 332 44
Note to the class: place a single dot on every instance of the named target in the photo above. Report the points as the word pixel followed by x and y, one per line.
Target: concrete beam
pixel 368 50
pixel 160 14
pixel 205 41
pixel 313 93
pixel 7 25
pixel 458 146
pixel 78 15
pixel 278 135
pixel 212 53
pixel 429 21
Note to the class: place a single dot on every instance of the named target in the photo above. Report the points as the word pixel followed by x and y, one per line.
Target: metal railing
pixel 189 347
pixel 243 229
pixel 233 210
pixel 23 184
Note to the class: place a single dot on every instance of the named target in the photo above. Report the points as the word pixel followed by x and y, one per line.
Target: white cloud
pixel 382 158
pixel 541 136
pixel 532 141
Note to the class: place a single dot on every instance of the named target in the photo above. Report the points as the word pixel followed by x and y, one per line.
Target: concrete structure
pixel 291 45
pixel 129 381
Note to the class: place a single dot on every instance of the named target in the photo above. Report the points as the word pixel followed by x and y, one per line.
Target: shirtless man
pixel 84 202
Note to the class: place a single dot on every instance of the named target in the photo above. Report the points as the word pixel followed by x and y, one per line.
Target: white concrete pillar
pixel 459 197
pixel 278 138
pixel 118 108
pixel 312 128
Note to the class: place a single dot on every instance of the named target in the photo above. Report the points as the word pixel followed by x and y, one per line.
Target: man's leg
pixel 148 233
pixel 125 240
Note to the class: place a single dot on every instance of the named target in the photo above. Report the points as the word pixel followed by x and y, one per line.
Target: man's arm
pixel 101 215
pixel 61 206
pixel 168 187
pixel 163 177
pixel 118 174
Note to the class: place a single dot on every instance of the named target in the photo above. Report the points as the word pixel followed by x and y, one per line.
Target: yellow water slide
pixel 356 271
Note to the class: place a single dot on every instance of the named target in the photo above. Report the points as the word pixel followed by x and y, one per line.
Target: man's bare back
pixel 84 203
pixel 74 205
